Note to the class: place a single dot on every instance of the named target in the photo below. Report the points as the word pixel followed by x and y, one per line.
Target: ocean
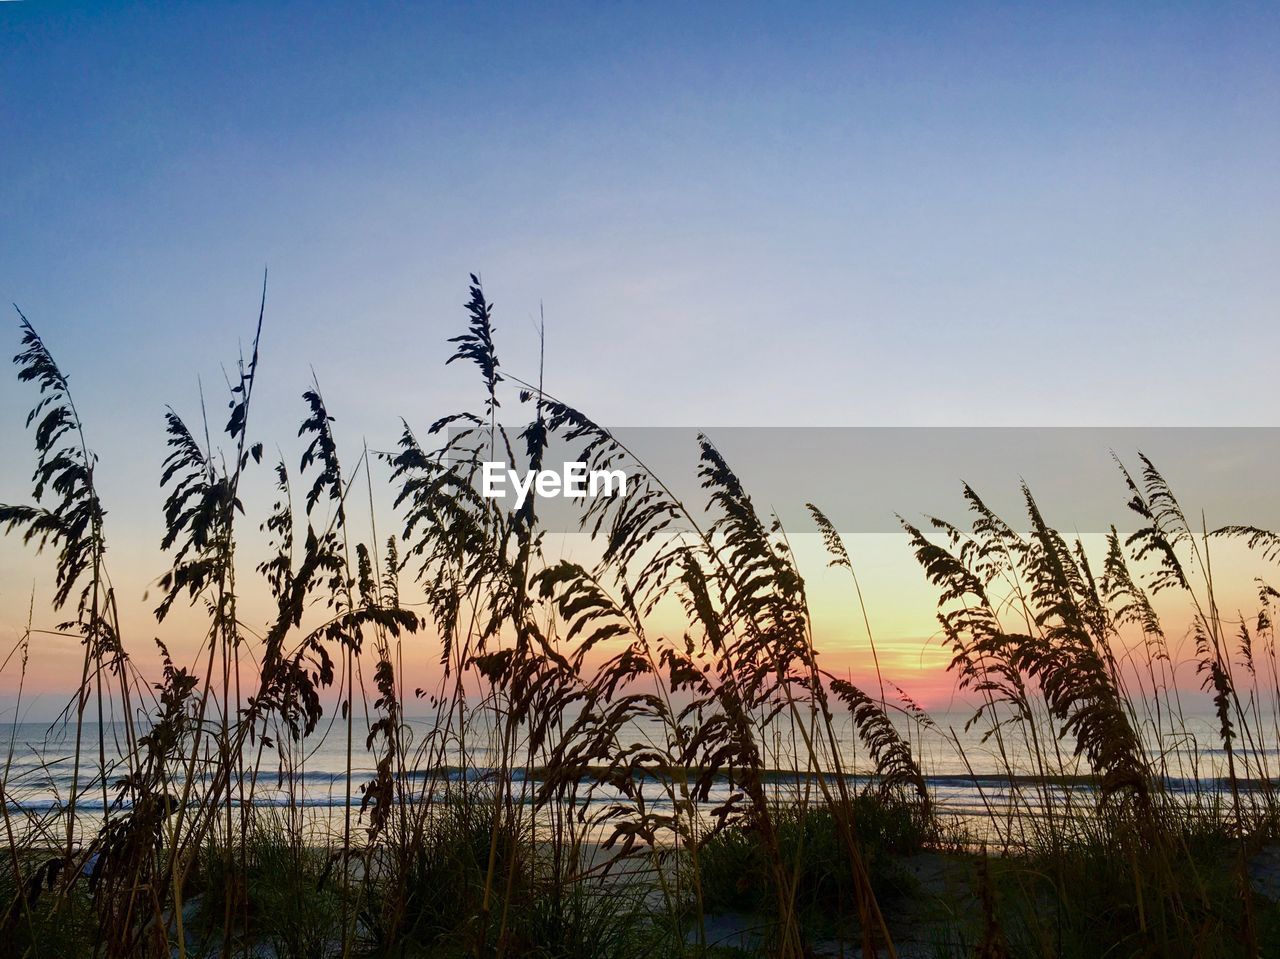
pixel 986 785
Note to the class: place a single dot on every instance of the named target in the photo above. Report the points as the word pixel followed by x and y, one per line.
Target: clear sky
pixel 746 215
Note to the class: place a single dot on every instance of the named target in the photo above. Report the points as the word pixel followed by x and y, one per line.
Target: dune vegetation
pixel 520 813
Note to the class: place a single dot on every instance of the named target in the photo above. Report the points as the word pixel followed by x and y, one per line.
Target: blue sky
pixel 899 213
pixel 773 215
pixel 733 214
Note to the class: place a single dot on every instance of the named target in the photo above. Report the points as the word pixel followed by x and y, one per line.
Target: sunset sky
pixel 732 215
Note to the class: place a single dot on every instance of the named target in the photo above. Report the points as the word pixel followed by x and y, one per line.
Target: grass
pixel 528 820
pixel 38 925
pixel 281 892
pixel 735 875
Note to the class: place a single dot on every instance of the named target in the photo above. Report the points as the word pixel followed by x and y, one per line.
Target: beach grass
pixel 529 821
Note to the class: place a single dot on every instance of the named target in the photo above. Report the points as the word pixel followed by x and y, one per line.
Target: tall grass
pixel 526 816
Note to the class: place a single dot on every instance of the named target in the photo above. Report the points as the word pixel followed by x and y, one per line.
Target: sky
pixel 730 215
